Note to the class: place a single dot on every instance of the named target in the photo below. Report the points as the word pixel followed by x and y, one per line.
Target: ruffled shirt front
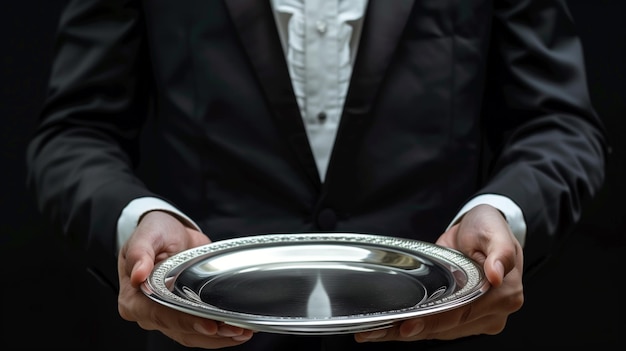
pixel 320 40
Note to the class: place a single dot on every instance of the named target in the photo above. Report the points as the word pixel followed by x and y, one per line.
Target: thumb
pixel 137 261
pixel 141 270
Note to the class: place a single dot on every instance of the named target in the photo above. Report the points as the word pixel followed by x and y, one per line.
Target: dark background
pixel 49 301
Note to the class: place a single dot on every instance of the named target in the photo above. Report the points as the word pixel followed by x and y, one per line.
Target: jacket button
pixel 327 219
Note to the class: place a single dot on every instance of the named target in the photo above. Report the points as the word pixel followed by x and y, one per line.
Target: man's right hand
pixel 160 235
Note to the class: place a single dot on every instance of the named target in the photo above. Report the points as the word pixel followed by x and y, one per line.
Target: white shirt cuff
pixel 131 214
pixel 511 211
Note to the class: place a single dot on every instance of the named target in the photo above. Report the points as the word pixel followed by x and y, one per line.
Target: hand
pixel 158 236
pixel 484 235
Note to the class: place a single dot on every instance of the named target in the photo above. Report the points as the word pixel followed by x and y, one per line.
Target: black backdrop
pixel 49 301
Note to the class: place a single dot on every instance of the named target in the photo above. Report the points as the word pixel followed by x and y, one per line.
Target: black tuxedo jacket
pixel 191 101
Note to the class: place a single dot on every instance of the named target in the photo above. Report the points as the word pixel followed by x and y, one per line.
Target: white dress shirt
pixel 320 40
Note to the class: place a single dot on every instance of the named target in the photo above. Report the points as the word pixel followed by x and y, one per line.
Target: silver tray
pixel 315 283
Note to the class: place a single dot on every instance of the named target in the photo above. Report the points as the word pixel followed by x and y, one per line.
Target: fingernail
pixel 376 334
pixel 500 268
pixel 242 337
pixel 201 329
pixel 417 328
pixel 227 333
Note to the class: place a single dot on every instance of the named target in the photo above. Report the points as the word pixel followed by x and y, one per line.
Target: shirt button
pixel 321 27
pixel 321 117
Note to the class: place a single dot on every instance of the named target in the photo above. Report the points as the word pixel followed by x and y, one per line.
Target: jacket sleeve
pixel 81 158
pixel 549 147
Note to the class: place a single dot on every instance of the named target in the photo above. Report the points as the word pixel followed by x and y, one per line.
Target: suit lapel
pixel 382 29
pixel 255 23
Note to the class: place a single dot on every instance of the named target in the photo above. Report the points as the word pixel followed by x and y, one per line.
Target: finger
pixel 373 335
pixel 422 329
pixel 227 330
pixel 447 238
pixel 135 306
pixel 194 331
pixel 484 325
pixel 199 340
pixel 458 321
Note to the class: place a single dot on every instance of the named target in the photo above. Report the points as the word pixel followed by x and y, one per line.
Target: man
pixel 465 123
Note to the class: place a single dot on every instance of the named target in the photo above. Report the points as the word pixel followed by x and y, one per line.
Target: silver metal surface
pixel 316 283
